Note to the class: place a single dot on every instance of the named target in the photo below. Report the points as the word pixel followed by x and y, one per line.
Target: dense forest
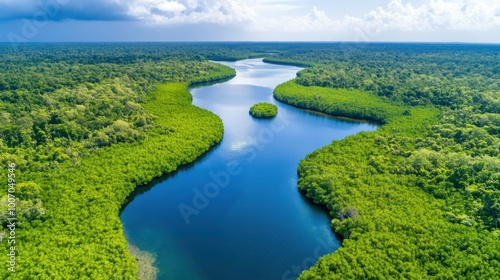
pixel 82 146
pixel 85 124
pixel 418 198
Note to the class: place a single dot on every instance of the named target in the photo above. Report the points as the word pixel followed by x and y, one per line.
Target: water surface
pixel 236 213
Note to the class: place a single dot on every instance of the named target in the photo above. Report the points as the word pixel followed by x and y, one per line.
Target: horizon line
pixel 256 41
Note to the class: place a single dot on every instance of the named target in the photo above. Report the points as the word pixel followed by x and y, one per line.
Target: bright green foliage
pixel 82 235
pixel 339 102
pixel 420 197
pixel 82 144
pixel 264 110
pixel 417 74
pixel 53 110
pixel 400 231
pixel 83 132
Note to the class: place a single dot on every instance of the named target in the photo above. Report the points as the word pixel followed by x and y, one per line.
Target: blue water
pixel 236 213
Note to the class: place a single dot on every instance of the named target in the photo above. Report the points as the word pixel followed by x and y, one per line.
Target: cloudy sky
pixel 250 20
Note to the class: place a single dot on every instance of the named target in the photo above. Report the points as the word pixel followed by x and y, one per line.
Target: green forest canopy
pixel 419 198
pixel 82 148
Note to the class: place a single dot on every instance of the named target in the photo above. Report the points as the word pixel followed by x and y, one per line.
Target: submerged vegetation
pixel 419 198
pixel 264 110
pixel 145 263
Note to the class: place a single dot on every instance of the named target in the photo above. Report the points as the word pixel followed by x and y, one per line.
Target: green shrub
pixel 264 110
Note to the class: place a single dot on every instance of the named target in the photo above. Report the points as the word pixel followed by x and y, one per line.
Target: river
pixel 236 213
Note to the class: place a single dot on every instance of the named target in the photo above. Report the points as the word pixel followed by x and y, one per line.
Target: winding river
pixel 236 213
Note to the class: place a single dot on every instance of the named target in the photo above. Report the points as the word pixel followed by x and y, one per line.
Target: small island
pixel 264 110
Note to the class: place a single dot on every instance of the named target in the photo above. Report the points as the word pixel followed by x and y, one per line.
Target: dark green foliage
pixel 82 233
pixel 264 110
pixel 416 74
pixel 92 104
pixel 401 231
pixel 83 147
pixel 418 198
pixel 289 62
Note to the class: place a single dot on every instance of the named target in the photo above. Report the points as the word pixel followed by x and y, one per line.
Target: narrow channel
pixel 236 213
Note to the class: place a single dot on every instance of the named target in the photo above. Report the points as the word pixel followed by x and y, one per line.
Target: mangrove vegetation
pixel 85 124
pixel 264 110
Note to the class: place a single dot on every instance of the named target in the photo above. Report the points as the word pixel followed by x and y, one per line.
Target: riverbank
pixel 101 184
pixel 240 197
pixel 376 200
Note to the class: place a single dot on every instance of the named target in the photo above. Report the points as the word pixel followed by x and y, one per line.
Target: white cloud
pixel 285 16
pixel 171 6
pixel 433 15
pixel 265 15
pixel 315 20
pixel 190 11
pixel 292 16
pixel 257 15
pixel 273 7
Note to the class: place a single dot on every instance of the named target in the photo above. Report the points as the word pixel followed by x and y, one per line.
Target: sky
pixel 250 20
